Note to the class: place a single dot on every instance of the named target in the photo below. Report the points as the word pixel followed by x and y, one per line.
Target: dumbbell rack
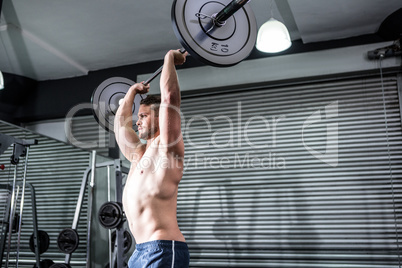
pixel 20 149
pixel 38 244
pixel 119 243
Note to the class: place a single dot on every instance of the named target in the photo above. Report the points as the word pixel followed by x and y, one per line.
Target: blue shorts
pixel 160 254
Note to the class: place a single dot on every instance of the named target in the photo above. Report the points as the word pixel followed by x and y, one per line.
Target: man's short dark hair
pixel 153 101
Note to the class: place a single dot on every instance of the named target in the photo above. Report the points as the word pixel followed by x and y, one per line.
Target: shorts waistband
pixel 161 244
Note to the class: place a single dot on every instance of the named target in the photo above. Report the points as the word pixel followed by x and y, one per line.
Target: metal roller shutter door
pixel 293 176
pixel 86 133
pixel 55 170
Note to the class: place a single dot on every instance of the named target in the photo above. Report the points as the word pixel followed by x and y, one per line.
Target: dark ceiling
pixel 54 53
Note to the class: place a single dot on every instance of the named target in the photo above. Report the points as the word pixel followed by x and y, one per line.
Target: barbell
pixel 220 33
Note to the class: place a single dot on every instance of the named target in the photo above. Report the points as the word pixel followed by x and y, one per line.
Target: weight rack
pixel 20 149
pixel 119 241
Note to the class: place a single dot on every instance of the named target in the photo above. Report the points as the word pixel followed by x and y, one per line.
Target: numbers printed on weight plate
pixel 219 47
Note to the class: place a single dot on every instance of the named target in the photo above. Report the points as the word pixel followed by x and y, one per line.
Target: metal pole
pixel 157 72
pixel 79 205
pixel 84 183
pixel 35 224
pixel 90 201
pixel 119 231
pixel 12 213
pixel 4 226
pixel 109 231
pixel 229 10
pixel 22 205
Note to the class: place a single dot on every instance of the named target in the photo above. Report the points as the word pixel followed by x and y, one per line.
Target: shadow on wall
pixel 236 224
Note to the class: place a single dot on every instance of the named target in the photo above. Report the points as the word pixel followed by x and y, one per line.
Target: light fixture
pixel 273 36
pixel 1 81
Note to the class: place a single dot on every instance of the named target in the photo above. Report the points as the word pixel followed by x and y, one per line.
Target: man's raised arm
pixel 128 141
pixel 169 112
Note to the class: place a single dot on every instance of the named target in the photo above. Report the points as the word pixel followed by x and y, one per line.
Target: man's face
pixel 148 123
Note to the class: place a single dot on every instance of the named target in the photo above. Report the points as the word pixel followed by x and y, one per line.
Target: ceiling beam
pixel 288 18
pixel 46 46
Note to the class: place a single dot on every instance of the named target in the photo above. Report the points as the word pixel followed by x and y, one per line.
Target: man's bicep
pixel 128 142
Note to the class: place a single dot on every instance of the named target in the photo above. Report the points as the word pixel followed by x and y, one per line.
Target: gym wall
pixel 298 175
pixel 303 171
pixel 303 175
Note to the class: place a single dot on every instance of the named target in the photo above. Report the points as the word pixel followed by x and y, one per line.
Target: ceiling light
pixel 273 36
pixel 1 81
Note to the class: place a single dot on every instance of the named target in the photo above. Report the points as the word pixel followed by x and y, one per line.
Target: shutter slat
pixel 236 210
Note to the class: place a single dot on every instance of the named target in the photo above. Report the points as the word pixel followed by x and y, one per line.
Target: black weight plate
pixel 68 240
pixel 60 265
pixel 110 215
pixel 127 240
pixel 46 263
pixel 105 101
pixel 221 46
pixel 43 242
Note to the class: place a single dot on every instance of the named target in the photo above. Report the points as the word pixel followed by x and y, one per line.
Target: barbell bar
pixel 157 72
pixel 217 20
pixel 229 10
pixel 220 33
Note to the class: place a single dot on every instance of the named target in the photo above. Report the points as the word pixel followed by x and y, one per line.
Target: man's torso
pixel 150 195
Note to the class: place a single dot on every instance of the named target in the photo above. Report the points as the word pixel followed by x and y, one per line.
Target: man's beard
pixel 149 133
